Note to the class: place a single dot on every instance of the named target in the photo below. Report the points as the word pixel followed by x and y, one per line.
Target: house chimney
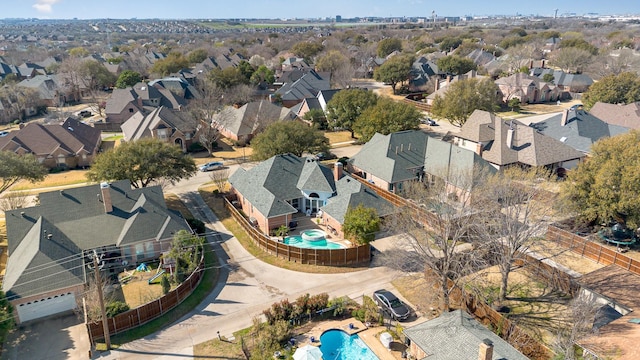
pixel 510 138
pixel 106 197
pixel 337 171
pixel 448 79
pixel 565 117
pixel 437 85
pixel 486 350
pixel 479 149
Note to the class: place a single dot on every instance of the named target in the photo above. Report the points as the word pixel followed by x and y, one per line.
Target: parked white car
pixel 214 165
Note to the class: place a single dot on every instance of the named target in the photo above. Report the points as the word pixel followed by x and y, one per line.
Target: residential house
pixel 124 103
pixel 243 123
pixel 292 93
pixel 294 63
pixel 529 89
pixel 391 161
pixel 627 116
pixel 175 127
pixel 457 335
pixel 178 86
pixel 51 90
pixel 572 83
pixel 510 142
pixel 71 144
pixel 51 246
pixel 442 85
pixel 577 128
pixel 319 102
pixel 368 67
pixel 481 57
pixel 613 291
pixel 272 192
pixel 421 71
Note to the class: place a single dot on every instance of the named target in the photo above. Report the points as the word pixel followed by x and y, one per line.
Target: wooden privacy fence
pixel 326 257
pixel 149 311
pixel 417 101
pixel 592 250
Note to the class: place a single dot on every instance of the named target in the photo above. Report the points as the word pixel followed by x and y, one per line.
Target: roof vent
pixel 22 214
pixel 143 88
pixel 49 236
pixel 563 139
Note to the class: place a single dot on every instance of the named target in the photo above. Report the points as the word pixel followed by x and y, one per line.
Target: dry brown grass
pixel 338 136
pixel 71 177
pixel 138 291
pixel 174 203
pixel 565 256
pixel 3 246
pixel 218 349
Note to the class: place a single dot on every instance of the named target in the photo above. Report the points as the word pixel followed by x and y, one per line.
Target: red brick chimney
pixel 106 197
pixel 338 171
pixel 486 350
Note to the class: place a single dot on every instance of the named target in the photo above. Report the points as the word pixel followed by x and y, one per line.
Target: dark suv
pixel 391 304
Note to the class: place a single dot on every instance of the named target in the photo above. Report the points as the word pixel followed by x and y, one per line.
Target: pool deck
pixel 309 223
pixel 369 336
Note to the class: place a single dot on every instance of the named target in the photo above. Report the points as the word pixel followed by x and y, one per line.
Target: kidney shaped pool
pixel 338 345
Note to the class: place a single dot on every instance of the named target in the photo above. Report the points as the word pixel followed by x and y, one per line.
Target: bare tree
pixel 219 178
pixel 581 317
pixel 520 56
pixel 434 231
pixel 571 59
pixel 515 209
pixel 14 200
pixel 615 63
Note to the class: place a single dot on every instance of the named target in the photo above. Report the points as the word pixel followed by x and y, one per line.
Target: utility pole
pixel 103 311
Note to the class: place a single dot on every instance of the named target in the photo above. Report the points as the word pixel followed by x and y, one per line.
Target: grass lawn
pixel 338 136
pixel 221 349
pixel 199 294
pixel 65 178
pixel 138 291
pixel 114 137
pixel 174 203
pixel 217 205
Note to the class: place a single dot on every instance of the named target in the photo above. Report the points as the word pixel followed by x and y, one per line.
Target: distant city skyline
pixel 281 9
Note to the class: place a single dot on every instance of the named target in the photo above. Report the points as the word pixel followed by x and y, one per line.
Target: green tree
pixel 174 62
pixel 166 285
pixel 548 78
pixel 387 46
pixel 606 186
pixel 142 162
pixel 464 97
pixel 345 106
pixel 449 43
pixel 14 167
pixel 393 71
pixel 6 316
pixel 227 78
pixel 455 64
pixel 78 52
pixel 361 224
pixel 613 89
pixel 307 49
pixel 128 78
pixel 317 118
pixel 246 70
pixel 514 104
pixel 114 308
pixel 186 250
pixel 386 117
pixel 282 137
pixel 263 76
pixel 579 44
pixel 197 56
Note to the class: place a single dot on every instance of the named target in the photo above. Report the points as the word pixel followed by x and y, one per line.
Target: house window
pixel 162 133
pixel 130 111
pixel 139 250
pixel 149 249
pixel 187 136
pixel 295 203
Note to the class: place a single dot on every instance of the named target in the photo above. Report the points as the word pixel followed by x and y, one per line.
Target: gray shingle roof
pixel 350 194
pixel 72 136
pixel 305 87
pixel 141 126
pixel 138 215
pixel 457 336
pixel 399 157
pixel 251 117
pixel 622 115
pixel 580 131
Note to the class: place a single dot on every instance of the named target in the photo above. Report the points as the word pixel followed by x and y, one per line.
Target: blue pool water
pixel 296 240
pixel 338 345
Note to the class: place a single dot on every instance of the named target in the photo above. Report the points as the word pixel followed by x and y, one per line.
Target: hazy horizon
pixel 280 9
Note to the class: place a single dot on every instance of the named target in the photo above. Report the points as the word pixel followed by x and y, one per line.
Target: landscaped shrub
pixel 339 305
pixel 116 307
pixel 166 285
pixel 196 225
pixel 318 302
pixel 368 312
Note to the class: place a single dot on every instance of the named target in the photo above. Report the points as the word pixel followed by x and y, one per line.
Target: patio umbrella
pixel 308 352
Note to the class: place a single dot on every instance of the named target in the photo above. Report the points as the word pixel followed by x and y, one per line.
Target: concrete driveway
pixel 62 337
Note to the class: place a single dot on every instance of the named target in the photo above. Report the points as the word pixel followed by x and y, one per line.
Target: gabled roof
pixel 511 142
pixel 349 194
pixel 46 85
pixel 119 99
pixel 521 81
pixel 563 79
pixel 73 137
pixel 306 86
pixel 622 115
pixel 456 335
pixel 403 155
pixel 138 215
pixel 141 126
pixel 251 117
pixel 272 182
pixel 580 129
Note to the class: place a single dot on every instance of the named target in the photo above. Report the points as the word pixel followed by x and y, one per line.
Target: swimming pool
pixel 338 345
pixel 297 240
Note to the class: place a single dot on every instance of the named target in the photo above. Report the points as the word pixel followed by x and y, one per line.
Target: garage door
pixel 47 306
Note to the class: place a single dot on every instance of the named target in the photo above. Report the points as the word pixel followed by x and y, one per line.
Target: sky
pixel 284 9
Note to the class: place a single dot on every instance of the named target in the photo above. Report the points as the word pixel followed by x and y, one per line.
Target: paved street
pixel 245 288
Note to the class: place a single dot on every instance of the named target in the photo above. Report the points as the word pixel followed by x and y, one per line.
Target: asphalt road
pixel 246 286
